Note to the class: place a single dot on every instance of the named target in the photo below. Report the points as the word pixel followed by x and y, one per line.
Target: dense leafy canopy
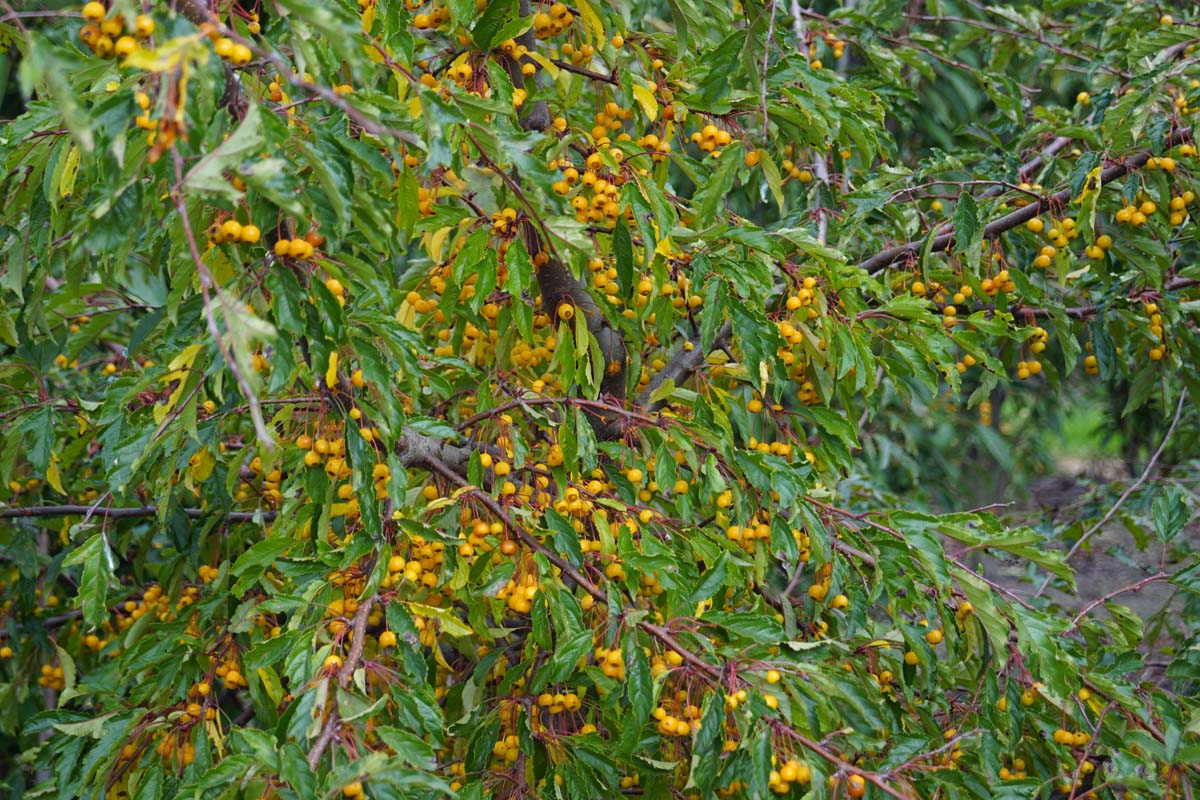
pixel 495 399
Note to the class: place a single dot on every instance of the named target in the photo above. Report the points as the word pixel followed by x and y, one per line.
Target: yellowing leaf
pixel 368 19
pixel 436 242
pixel 186 358
pixel 179 367
pixel 170 55
pixel 646 100
pixel 407 315
pixel 592 19
pixel 331 371
pixel 1090 184
pixel 66 180
pixel 343 509
pixel 545 64
pixel 52 476
pixel 451 624
pixel 200 466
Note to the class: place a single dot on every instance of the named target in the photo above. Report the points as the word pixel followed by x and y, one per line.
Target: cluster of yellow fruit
pixel 424 561
pixel 1017 773
pixel 1090 364
pixel 1077 739
pixel 400 570
pixel 611 662
pixel 597 200
pixel 747 536
pixel 664 662
pixel 94 643
pixel 1136 214
pixel 330 451
pixel 804 297
pixel 1165 163
pixel 559 703
pixel 232 231
pixel 649 586
pixel 1027 369
pixel 264 485
pixel 687 721
pixel 964 363
pixel 300 249
pixel 52 678
pixel 194 712
pixel 436 17
pixel 30 484
pixel 711 139
pixel 1178 207
pixel 503 221
pixel 477 535
pixel 529 354
pixel 838 46
pixel 235 53
pixel 1156 331
pixel 780 780
pixel 175 748
pixel 519 593
pixel 612 118
pixel 339 611
pixel 1182 106
pixel 580 55
pixel 577 504
pixel 547 24
pixel 507 748
pixel 820 587
pixel 154 601
pixel 353 789
pixel 1000 282
pixel 107 37
pixel 208 574
pixel 985 413
pixel 1037 337
pixel 229 671
pixel 1060 233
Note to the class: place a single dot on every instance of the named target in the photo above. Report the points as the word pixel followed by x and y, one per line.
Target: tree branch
pixel 885 258
pixel 129 512
pixel 683 363
pixel 360 635
pixel 234 99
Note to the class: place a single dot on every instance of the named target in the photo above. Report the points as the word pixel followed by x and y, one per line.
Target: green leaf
pixel 623 251
pixel 208 175
pixel 712 193
pixel 490 22
pixel 99 566
pixel 563 663
pixel 966 224
pixel 1170 514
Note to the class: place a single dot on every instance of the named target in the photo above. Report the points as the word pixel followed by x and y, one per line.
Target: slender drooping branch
pixel 1133 487
pixel 885 258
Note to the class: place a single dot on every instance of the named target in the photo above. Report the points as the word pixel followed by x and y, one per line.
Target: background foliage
pixel 504 399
